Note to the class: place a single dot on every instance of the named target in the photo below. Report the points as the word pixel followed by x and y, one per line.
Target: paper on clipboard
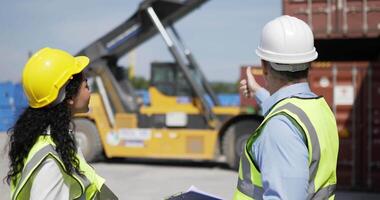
pixel 194 193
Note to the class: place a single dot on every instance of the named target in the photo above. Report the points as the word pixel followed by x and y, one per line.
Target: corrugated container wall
pixel 337 18
pixel 12 104
pixel 352 89
pixel 344 30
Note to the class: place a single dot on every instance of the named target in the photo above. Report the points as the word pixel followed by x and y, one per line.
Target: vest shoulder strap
pixel 35 161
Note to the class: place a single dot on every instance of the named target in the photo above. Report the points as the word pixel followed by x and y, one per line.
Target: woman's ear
pixel 70 102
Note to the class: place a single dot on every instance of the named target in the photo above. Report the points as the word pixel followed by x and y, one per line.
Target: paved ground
pixel 143 180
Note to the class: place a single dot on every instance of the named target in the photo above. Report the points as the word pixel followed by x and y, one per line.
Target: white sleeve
pixel 49 183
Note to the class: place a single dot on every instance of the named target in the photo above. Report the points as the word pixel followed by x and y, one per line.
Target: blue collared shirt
pixel 280 152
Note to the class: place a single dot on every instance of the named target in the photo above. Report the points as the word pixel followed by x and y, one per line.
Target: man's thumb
pixel 250 77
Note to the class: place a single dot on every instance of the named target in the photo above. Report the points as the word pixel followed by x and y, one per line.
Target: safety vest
pixel 89 186
pixel 317 122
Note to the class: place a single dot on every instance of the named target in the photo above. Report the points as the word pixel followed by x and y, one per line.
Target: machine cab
pixel 170 81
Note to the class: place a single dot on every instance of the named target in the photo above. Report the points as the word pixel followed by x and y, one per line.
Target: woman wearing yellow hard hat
pixel 44 160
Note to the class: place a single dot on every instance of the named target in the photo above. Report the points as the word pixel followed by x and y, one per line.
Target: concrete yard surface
pixel 151 180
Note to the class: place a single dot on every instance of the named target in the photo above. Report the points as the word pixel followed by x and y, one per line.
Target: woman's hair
pixel 34 122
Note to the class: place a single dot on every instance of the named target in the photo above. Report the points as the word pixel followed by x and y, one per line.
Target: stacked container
pixel 7 108
pixel 337 19
pixel 12 103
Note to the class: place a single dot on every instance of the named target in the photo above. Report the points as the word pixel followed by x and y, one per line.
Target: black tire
pixel 233 145
pixel 87 138
pixel 234 141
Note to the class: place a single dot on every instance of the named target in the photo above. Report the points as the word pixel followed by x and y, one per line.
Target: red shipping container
pixel 337 18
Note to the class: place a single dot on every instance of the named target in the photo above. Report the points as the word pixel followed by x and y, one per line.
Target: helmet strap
pixel 289 67
pixel 61 96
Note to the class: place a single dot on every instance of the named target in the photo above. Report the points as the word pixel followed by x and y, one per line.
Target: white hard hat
pixel 287 40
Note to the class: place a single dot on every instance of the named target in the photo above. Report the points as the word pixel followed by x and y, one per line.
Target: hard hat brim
pixel 287 58
pixel 81 63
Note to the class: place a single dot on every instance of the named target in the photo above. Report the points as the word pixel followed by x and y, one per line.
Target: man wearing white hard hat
pixel 293 153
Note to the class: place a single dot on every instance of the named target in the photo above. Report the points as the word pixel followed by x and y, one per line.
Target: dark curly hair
pixel 33 122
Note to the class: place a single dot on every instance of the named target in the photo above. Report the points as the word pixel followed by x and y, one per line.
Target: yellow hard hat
pixel 47 72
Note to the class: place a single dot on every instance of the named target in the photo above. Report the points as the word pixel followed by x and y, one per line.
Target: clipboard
pixel 194 193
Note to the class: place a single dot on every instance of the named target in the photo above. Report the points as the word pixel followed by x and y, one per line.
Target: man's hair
pixel 289 76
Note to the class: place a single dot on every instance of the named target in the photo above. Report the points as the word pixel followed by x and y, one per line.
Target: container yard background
pixel 347 74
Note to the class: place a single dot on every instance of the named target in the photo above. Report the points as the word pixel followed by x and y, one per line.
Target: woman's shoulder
pixel 50 166
pixel 49 181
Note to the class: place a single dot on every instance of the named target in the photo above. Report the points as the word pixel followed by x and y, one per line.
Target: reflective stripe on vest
pixel 36 161
pixel 254 191
pixel 245 185
pixel 91 185
pixel 328 191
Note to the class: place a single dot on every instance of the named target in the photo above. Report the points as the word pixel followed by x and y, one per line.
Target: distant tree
pixel 140 83
pixel 224 87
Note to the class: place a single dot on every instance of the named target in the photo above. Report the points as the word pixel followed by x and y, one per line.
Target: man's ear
pixel 265 67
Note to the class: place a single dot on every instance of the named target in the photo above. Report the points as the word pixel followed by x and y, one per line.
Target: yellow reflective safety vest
pixel 314 117
pixel 89 186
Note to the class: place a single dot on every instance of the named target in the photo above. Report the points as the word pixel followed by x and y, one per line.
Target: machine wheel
pixel 87 138
pixel 233 146
pixel 234 141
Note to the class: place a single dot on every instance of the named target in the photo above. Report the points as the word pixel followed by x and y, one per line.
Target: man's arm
pixel 281 154
pixel 260 95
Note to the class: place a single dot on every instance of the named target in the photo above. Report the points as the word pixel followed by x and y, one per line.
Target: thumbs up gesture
pixel 249 87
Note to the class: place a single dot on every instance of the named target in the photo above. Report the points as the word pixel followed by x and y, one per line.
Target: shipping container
pixel 343 29
pixel 337 18
pixel 7 118
pixel 12 104
pixel 6 94
pixel 20 99
pixel 229 99
pixel 352 89
pixel 144 96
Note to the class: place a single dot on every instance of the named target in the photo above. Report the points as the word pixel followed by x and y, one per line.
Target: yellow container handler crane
pixel 184 119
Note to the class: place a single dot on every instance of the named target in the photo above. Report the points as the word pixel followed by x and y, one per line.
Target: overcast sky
pixel 222 34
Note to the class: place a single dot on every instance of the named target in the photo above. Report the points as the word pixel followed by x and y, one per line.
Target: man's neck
pixel 281 84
